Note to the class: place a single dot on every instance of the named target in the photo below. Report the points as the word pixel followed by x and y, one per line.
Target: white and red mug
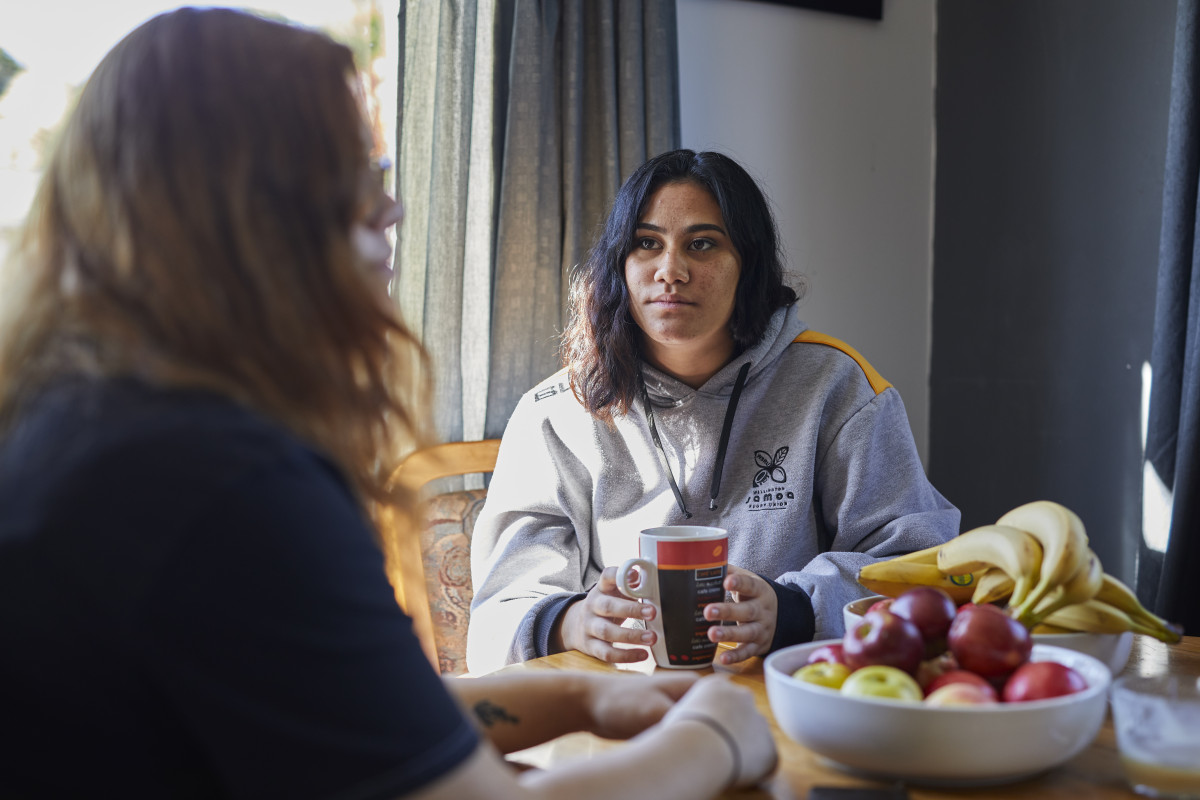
pixel 681 569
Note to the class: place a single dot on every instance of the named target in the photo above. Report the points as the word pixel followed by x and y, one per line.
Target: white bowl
pixel 954 746
pixel 1111 648
pixel 852 612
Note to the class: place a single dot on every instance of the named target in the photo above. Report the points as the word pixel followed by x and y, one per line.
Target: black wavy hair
pixel 602 343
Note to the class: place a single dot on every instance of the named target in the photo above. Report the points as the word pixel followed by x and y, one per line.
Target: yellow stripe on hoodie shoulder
pixel 877 381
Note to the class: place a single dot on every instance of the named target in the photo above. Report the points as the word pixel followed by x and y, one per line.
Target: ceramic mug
pixel 681 569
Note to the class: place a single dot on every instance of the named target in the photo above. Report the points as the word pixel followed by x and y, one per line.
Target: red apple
pixel 882 638
pixel 960 676
pixel 932 611
pixel 1038 680
pixel 827 652
pixel 987 641
pixel 882 605
pixel 961 694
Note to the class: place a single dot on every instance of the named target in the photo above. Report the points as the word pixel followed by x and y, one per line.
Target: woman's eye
pixel 703 244
pixel 646 243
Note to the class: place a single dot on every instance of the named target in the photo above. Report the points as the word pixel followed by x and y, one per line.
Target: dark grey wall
pixel 1051 123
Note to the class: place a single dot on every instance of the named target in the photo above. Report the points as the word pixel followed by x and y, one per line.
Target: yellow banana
pixel 1042 627
pixel 1013 551
pixel 1079 588
pixel 1120 596
pixel 926 556
pixel 1064 546
pixel 992 586
pixel 893 578
pixel 1093 616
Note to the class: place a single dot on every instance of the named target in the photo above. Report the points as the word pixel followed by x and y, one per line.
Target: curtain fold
pixel 518 121
pixel 593 93
pixel 445 178
pixel 1173 433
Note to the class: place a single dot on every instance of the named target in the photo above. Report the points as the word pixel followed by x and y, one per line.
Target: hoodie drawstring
pixel 726 426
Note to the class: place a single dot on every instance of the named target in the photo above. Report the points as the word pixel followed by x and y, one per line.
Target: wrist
pixel 579 701
pixel 560 632
pixel 726 751
pixel 795 620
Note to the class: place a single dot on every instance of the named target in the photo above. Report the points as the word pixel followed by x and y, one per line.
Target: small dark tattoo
pixel 489 714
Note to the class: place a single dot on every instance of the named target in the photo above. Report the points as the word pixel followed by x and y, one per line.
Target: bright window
pixel 48 50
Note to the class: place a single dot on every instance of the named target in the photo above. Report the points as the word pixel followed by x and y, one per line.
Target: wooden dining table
pixel 1094 774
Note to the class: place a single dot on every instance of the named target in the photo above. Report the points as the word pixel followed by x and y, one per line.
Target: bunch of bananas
pixel 1035 559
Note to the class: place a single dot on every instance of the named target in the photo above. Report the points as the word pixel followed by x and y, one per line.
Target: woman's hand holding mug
pixel 593 625
pixel 755 609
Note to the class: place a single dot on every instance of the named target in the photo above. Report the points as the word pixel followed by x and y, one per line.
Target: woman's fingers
pixel 748 632
pixel 614 655
pixel 607 631
pixel 744 611
pixel 745 584
pixel 751 638
pixel 618 608
pixel 753 611
pixel 733 655
pixel 751 641
pixel 621 706
pixel 602 635
pixel 608 581
pixel 594 625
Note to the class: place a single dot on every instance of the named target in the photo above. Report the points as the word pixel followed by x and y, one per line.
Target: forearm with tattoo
pixel 489 714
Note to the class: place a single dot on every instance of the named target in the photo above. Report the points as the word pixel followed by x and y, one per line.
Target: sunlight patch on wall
pixel 1156 497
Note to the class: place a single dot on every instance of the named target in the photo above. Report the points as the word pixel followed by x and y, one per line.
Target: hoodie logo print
pixel 770 492
pixel 770 467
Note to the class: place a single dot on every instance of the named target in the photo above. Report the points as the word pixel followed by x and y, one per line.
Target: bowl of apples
pixel 1111 648
pixel 930 693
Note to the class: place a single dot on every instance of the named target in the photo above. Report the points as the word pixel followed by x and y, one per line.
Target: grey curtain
pixel 1173 434
pixel 518 121
pixel 445 170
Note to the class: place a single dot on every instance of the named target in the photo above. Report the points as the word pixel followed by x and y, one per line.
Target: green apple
pixel 823 673
pixel 883 682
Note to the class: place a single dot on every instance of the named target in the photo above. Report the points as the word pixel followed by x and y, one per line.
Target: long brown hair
pixel 193 228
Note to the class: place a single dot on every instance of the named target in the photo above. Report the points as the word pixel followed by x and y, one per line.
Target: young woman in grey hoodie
pixel 693 393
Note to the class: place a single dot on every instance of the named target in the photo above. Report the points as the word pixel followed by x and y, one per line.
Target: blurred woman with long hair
pixel 203 386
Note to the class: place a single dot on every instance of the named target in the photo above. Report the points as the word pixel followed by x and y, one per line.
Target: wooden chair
pixel 429 560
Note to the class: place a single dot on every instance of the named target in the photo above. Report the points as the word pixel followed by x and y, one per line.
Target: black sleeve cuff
pixel 795 621
pixel 546 616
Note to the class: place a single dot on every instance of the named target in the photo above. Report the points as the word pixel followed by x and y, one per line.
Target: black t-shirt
pixel 193 605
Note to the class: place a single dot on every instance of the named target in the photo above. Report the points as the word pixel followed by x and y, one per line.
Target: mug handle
pixel 646 583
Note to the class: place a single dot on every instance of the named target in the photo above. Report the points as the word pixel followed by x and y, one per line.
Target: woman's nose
pixel 390 212
pixel 672 268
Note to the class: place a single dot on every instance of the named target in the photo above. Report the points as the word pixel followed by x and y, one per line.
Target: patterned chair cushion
pixel 447 521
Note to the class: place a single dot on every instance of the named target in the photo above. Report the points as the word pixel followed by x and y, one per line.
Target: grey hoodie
pixel 821 476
